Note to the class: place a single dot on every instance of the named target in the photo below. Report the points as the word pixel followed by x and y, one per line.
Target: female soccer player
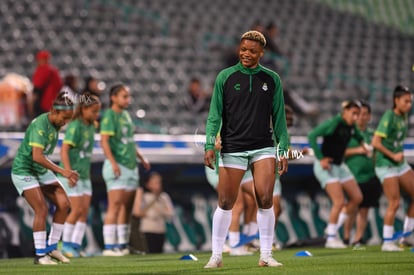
pixel 247 98
pixel 330 170
pixel 391 167
pixel 120 170
pixel 76 155
pixel 360 162
pixel 33 177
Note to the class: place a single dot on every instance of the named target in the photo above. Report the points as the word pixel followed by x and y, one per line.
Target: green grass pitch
pixel 323 261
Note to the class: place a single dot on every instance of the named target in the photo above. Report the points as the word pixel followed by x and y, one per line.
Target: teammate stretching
pixel 330 170
pixel 33 178
pixel 392 168
pixel 76 154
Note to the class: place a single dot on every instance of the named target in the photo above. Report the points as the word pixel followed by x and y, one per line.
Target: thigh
pixel 129 199
pixel 407 183
pixel 352 189
pixel 76 203
pixel 391 188
pixel 86 202
pixel 229 182
pixel 35 198
pixel 264 175
pixel 248 189
pixel 115 197
pixel 55 193
pixel 335 192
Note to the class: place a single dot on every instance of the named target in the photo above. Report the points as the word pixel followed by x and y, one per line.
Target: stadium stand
pixel 338 51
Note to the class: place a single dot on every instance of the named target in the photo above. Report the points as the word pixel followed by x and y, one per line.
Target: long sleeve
pixel 323 129
pixel 279 119
pixel 215 114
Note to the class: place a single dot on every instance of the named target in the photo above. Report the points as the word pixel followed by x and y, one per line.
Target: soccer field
pixel 324 261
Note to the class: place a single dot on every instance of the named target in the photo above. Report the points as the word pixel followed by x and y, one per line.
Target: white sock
pixel 67 232
pixel 245 229
pixel 266 224
pixel 234 238
pixel 109 235
pixel 123 234
pixel 253 228
pixel 39 239
pixel 408 224
pixel 55 233
pixel 221 224
pixel 387 233
pixel 331 231
pixel 78 233
pixel 341 220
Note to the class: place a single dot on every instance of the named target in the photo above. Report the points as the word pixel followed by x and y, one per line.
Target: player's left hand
pixel 146 164
pixel 282 165
pixel 210 159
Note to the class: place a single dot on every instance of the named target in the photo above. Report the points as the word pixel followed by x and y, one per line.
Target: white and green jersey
pixel 81 139
pixel 120 128
pixel 41 133
pixel 393 130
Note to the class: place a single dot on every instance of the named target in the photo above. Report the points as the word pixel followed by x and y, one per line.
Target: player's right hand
pixel 398 157
pixel 326 163
pixel 210 159
pixel 116 170
pixel 72 177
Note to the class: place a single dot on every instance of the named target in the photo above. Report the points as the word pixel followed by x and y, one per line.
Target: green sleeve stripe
pixel 109 133
pixel 70 142
pixel 34 144
pixel 381 134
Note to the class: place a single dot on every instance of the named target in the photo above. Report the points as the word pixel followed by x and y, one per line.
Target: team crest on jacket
pixel 264 87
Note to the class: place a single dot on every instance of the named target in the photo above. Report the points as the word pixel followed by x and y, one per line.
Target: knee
pixel 264 201
pixel 77 211
pixel 115 206
pixel 393 204
pixel 41 211
pixel 226 203
pixel 277 209
pixel 338 203
pixel 357 199
pixel 238 209
pixel 63 205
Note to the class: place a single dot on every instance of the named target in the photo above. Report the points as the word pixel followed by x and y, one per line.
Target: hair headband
pixel 63 107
